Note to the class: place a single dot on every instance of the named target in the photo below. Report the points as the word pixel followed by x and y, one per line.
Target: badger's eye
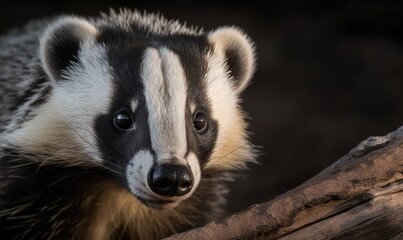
pixel 123 121
pixel 200 122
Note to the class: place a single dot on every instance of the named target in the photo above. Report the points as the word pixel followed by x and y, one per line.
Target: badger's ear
pixel 239 53
pixel 60 44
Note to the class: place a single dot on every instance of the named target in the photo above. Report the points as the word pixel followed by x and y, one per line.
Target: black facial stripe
pixel 124 56
pixel 201 144
pixel 193 59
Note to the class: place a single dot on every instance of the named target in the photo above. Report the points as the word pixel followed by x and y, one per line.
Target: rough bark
pixel 358 197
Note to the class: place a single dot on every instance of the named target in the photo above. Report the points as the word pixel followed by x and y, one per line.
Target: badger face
pixel 155 110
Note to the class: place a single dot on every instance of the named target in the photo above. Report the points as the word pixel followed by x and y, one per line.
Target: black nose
pixel 170 180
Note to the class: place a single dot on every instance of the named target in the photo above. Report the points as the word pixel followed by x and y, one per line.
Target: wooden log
pixel 358 197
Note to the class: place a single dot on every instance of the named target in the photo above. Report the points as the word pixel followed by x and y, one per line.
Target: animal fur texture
pixel 91 108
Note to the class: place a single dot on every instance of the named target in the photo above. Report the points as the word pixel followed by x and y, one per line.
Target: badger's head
pixel 155 109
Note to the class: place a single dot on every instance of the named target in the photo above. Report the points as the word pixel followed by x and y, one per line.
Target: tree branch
pixel 358 197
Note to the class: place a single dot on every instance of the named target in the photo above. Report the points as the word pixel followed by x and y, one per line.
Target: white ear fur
pixel 60 43
pixel 239 53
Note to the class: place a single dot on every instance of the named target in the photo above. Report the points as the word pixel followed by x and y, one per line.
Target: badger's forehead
pixel 128 51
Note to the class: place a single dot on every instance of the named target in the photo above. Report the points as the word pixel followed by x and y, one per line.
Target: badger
pixel 122 126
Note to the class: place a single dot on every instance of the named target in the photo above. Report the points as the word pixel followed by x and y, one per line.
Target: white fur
pixel 221 94
pixel 153 81
pixel 153 23
pixel 165 91
pixel 68 116
pixel 91 93
pixel 137 178
pixel 194 165
pixel 177 92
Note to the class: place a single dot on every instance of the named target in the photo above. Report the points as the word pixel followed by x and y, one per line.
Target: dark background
pixel 329 74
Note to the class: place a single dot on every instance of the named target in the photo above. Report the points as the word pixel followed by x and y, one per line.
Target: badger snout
pixel 165 182
pixel 170 180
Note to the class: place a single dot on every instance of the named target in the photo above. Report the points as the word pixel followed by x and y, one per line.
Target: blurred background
pixel 329 74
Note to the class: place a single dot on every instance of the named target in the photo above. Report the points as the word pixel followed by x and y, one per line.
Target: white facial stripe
pixel 137 171
pixel 219 90
pixel 90 96
pixel 176 89
pixel 165 91
pixel 73 106
pixel 154 93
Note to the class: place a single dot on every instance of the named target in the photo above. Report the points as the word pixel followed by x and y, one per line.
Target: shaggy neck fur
pixel 105 209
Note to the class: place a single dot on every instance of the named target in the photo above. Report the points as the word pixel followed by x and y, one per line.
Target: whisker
pixel 42 164
pixel 105 144
pixel 110 147
pixel 69 176
pixel 100 156
pixel 90 144
pixel 215 160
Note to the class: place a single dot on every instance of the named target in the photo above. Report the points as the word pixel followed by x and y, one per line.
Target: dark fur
pixel 53 202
